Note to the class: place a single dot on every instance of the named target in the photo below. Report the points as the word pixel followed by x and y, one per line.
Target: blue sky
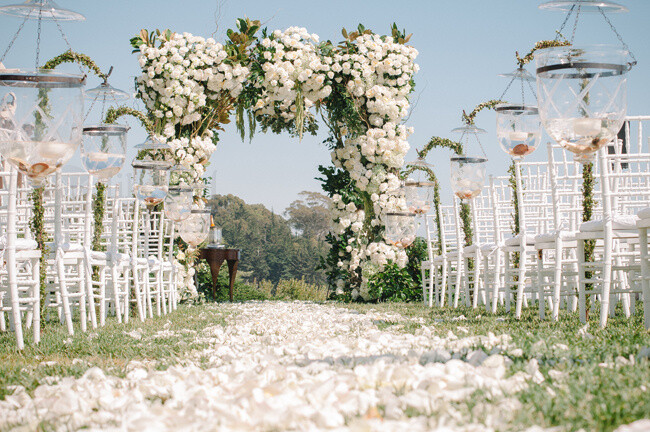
pixel 463 45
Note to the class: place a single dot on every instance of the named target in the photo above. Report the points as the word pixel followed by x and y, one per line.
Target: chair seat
pixel 619 222
pixel 21 244
pixel 67 246
pixel 109 256
pixel 644 214
pixel 516 240
pixel 550 237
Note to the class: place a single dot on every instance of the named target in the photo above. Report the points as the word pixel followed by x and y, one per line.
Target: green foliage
pixel 99 207
pixel 37 227
pixel 394 284
pixel 115 113
pixel 523 61
pixel 469 118
pixel 310 215
pixel 150 39
pixel 78 58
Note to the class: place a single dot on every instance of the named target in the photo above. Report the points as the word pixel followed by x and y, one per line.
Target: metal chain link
pixel 480 145
pixel 620 38
pixel 575 24
pixel 532 90
pixel 38 37
pixel 566 20
pixel 507 88
pixel 523 97
pixel 11 44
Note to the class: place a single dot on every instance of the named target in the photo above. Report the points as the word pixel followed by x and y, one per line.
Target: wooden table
pixel 215 258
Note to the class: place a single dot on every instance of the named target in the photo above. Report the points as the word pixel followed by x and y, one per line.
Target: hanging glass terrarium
pixel 178 202
pixel 103 150
pixel 418 189
pixel 41 10
pixel 150 179
pixel 194 230
pixel 467 176
pixel 400 228
pixel 41 113
pixel 582 94
pixel 468 172
pixel 519 129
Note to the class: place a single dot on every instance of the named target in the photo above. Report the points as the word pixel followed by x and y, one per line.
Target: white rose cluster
pixel 185 279
pixel 378 76
pixel 180 82
pixel 294 71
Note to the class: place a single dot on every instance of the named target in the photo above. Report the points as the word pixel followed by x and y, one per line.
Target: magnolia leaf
pixel 345 33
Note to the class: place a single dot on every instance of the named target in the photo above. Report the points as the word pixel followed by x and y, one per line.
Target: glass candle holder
pixel 400 229
pixel 467 176
pixel 150 181
pixel 582 94
pixel 519 129
pixel 178 202
pixel 41 113
pixel 103 150
pixel 194 229
pixel 418 189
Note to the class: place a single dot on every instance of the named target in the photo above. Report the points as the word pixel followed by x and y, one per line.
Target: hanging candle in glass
pixel 400 228
pixel 194 230
pixel 418 189
pixel 41 113
pixel 150 181
pixel 582 93
pixel 467 176
pixel 103 150
pixel 178 202
pixel 468 172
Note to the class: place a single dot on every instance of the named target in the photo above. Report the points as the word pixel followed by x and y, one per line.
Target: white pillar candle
pixel 588 127
pixel 518 136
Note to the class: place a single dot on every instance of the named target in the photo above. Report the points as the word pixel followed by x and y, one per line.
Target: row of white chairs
pixel 546 262
pixel 132 273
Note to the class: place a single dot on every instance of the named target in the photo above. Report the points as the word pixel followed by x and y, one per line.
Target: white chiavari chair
pixel 556 248
pixel 518 251
pixel 19 261
pixel 625 189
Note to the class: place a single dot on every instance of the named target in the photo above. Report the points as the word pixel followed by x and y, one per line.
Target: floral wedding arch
pixel 279 81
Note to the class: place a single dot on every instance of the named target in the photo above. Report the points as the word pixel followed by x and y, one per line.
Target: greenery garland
pixel 114 113
pixel 75 57
pixel 469 118
pixel 523 61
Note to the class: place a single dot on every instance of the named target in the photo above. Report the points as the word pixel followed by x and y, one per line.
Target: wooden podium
pixel 215 258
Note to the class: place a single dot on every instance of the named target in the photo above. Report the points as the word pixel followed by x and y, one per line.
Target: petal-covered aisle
pixel 294 366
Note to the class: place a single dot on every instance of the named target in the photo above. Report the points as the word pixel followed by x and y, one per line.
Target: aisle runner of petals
pixel 293 366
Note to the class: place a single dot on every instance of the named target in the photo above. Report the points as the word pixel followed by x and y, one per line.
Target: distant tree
pixel 309 215
pixel 269 249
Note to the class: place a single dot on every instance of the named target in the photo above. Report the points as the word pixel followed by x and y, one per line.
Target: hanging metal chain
pixel 523 97
pixel 11 44
pixel 532 90
pixel 480 145
pixel 575 24
pixel 38 37
pixel 566 20
pixel 507 88
pixel 620 38
pixel 65 38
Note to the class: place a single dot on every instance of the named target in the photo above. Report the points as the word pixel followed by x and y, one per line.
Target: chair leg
pixel 506 284
pixel 582 304
pixel 540 284
pixel 521 281
pixel 65 301
pixel 36 295
pixel 443 284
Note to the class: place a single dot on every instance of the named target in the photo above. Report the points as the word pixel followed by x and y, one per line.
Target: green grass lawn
pixel 593 379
